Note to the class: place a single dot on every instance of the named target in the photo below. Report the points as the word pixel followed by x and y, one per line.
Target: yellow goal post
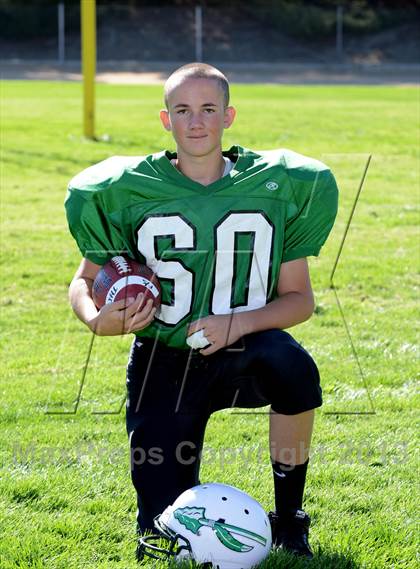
pixel 88 25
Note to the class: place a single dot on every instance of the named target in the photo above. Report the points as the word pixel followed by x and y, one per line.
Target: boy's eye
pixel 181 111
pixel 209 110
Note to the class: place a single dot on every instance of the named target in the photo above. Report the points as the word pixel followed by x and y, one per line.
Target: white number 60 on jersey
pixel 183 236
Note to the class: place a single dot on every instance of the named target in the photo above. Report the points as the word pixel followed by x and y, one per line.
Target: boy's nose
pixel 196 121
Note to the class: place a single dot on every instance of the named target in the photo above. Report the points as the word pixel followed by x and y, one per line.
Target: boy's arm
pixel 80 291
pixel 121 317
pixel 295 304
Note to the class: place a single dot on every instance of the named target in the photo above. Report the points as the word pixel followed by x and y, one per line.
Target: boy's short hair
pixel 197 70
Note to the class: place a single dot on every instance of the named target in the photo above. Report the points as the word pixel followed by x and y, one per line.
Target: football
pixel 122 278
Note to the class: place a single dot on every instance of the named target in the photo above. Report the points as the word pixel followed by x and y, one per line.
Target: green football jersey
pixel 216 249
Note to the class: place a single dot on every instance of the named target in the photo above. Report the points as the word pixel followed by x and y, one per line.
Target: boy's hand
pixel 123 317
pixel 220 331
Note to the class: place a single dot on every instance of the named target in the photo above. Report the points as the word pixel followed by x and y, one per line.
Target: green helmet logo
pixel 195 518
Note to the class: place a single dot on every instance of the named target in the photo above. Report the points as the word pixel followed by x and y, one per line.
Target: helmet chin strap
pixel 176 543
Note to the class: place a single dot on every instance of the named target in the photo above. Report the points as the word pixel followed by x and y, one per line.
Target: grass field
pixel 65 489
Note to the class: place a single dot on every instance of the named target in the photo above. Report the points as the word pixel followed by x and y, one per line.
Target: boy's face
pixel 196 116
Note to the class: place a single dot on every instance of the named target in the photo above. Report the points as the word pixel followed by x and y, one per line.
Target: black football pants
pixel 172 393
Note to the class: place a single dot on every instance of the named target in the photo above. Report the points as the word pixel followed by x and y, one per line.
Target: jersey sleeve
pixel 89 221
pixel 313 214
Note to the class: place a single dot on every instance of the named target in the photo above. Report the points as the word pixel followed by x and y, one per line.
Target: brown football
pixel 122 278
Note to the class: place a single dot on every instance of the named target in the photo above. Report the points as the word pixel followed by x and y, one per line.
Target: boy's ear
pixel 165 120
pixel 230 113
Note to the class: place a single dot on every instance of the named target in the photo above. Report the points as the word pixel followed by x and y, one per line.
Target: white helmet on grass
pixel 215 524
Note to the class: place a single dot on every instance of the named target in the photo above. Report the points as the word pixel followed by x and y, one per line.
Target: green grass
pixel 65 489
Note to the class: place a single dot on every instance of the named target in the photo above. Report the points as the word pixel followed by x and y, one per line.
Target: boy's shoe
pixel 290 532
